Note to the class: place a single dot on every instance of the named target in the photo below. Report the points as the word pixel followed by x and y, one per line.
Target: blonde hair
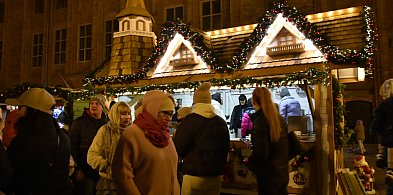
pixel 115 112
pixel 262 97
pixel 386 89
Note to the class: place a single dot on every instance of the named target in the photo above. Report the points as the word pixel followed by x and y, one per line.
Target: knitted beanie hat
pixel 202 94
pixel 100 99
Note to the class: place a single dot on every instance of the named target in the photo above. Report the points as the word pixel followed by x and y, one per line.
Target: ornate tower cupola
pixel 133 44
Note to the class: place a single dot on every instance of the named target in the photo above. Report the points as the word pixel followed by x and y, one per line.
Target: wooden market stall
pixel 284 48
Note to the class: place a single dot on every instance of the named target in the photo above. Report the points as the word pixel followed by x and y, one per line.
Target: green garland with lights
pixel 342 134
pixel 168 32
pixel 58 92
pixel 363 58
pixel 312 76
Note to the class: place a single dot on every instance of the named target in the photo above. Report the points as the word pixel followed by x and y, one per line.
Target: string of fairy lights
pixel 363 58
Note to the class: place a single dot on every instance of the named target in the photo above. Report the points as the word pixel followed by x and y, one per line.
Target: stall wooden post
pixel 330 137
pixel 324 139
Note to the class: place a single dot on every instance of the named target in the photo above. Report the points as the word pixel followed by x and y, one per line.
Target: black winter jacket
pixel 268 157
pixel 40 157
pixel 5 169
pixel 236 117
pixel 82 132
pixel 382 119
pixel 205 150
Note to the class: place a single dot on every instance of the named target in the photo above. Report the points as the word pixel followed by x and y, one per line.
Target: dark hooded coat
pixel 40 156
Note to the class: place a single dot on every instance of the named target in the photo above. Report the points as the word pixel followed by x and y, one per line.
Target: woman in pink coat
pixel 246 126
pixel 145 161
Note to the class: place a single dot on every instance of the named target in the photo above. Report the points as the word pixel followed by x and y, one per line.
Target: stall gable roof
pixel 226 42
pixel 309 53
pixel 166 67
pixel 346 38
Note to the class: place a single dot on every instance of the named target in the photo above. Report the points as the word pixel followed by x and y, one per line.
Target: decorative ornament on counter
pixel 365 172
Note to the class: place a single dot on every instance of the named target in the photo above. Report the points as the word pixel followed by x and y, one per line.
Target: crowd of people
pixel 111 154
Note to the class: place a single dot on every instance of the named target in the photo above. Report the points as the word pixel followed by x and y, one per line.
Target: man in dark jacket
pixel 82 133
pixel 237 114
pixel 202 140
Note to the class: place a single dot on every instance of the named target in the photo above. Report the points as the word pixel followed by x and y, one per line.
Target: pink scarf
pixel 156 132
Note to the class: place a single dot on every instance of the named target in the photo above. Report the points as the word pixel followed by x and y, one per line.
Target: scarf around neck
pixel 156 132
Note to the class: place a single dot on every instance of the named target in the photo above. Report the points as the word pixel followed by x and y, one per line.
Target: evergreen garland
pixel 363 58
pixel 311 76
pixel 58 92
pixel 342 133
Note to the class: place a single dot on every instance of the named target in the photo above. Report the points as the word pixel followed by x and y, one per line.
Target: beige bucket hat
pixel 36 98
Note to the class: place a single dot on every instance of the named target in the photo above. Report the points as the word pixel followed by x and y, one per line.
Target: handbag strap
pixel 201 131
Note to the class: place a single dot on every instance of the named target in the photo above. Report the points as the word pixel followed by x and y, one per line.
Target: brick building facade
pixel 58 42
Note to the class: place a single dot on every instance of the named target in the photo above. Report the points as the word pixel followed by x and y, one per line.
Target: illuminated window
pixel 85 44
pixel 211 15
pixel 37 50
pixel 141 25
pixel 287 39
pixel 60 46
pixel 183 57
pixel 185 54
pixel 173 13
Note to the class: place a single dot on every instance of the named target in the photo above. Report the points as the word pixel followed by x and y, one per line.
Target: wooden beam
pixel 309 99
pixel 261 72
pixel 330 137
pixel 318 133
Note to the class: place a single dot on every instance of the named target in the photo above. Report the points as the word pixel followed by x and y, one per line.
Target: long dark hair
pixel 262 97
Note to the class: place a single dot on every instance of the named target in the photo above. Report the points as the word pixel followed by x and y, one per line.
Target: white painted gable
pixel 164 68
pixel 135 25
pixel 259 56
